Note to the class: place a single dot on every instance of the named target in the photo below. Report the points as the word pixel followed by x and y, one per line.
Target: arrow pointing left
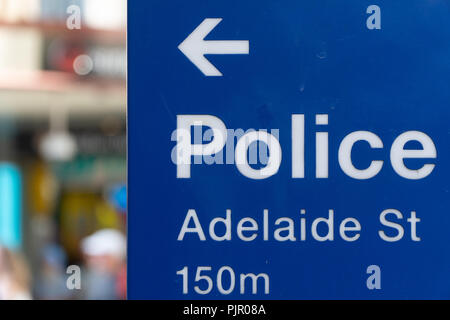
pixel 194 47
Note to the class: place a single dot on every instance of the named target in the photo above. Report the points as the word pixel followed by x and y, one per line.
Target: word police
pixel 185 149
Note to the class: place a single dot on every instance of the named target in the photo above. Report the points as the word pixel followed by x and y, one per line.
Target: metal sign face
pixel 289 149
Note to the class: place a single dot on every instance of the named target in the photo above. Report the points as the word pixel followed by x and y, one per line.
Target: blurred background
pixel 62 149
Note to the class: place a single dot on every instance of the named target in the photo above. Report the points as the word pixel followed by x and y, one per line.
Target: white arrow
pixel 194 47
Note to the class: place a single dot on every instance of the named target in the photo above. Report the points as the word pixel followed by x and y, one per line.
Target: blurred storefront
pixel 63 140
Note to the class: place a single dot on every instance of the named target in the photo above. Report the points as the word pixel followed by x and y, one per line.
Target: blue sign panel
pixel 289 149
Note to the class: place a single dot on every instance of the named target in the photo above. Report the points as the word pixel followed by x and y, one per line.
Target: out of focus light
pixel 83 65
pixel 10 206
pixel 58 146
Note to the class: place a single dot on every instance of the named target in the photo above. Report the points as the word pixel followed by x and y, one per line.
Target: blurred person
pixel 14 276
pixel 51 281
pixel 104 254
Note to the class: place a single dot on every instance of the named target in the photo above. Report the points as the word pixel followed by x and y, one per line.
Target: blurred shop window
pixel 15 48
pixel 63 140
pixel 19 10
pixel 102 14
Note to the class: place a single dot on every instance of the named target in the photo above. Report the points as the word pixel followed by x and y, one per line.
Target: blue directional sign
pixel 289 149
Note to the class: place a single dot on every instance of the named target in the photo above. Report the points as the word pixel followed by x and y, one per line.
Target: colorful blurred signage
pixel 10 206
